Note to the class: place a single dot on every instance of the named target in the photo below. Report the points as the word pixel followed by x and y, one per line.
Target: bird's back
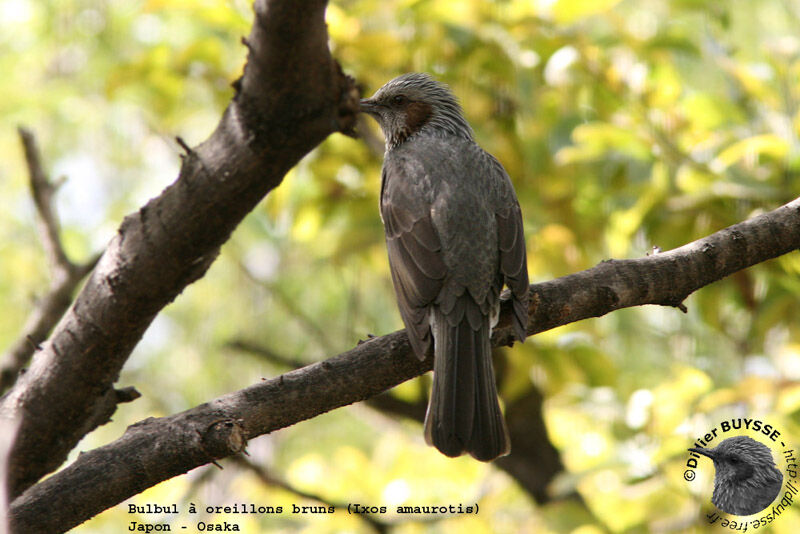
pixel 462 187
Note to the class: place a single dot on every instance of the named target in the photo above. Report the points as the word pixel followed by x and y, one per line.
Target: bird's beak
pixel 704 452
pixel 369 106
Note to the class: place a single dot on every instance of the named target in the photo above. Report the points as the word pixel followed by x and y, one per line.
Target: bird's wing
pixel 414 248
pixel 511 241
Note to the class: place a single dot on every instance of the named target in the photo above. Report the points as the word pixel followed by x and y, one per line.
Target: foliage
pixel 624 125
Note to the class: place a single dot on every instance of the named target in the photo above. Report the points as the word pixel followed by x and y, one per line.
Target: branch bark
pixel 291 96
pixel 533 462
pixel 157 449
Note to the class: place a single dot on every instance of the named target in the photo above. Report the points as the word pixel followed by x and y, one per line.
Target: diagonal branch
pixel 43 192
pixel 154 450
pixel 64 275
pixel 8 428
pixel 291 96
pixel 533 461
pixel 48 310
pixel 265 353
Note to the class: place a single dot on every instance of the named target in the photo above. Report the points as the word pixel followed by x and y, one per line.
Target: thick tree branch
pixel 157 449
pixel 291 96
pixel 533 461
pixel 666 278
pixel 46 312
pixel 8 428
pixel 64 275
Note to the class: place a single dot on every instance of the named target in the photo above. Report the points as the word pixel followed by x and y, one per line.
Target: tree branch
pixel 265 353
pixel 64 275
pixel 157 449
pixel 8 428
pixel 291 96
pixel 533 461
pixel 43 192
pixel 666 278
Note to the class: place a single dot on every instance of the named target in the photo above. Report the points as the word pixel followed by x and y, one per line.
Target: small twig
pixel 295 310
pixel 127 394
pixel 65 275
pixel 43 191
pixel 265 353
pixel 184 145
pixel 34 345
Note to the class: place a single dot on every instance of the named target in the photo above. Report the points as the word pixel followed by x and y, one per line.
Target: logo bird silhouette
pixel 746 479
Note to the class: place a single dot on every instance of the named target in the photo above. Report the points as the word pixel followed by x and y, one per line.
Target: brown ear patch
pixel 417 114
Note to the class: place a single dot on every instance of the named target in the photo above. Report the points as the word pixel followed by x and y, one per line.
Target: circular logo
pixel 747 480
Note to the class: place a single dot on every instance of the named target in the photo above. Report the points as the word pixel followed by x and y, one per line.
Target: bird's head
pixel 413 103
pixel 739 460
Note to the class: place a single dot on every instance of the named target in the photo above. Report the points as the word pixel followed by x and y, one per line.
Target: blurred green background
pixel 623 124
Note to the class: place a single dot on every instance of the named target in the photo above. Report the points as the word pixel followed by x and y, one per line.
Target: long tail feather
pixel 464 414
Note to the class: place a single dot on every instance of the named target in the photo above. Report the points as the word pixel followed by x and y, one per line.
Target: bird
pixel 454 237
pixel 746 479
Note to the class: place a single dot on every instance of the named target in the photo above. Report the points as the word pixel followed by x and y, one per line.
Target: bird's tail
pixel 464 413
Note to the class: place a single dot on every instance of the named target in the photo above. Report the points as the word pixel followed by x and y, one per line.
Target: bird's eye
pixel 399 100
pixel 734 460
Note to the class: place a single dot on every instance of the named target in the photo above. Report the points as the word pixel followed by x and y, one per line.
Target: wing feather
pixel 514 259
pixel 415 257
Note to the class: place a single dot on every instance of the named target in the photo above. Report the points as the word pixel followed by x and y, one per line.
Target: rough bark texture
pixel 666 278
pixel 533 462
pixel 157 449
pixel 290 97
